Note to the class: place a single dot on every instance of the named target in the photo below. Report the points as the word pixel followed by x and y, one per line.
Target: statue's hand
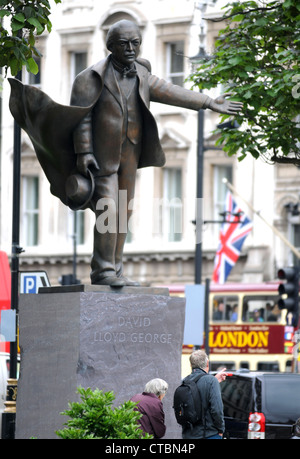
pixel 86 161
pixel 222 105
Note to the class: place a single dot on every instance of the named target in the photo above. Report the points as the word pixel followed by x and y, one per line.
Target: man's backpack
pixel 187 402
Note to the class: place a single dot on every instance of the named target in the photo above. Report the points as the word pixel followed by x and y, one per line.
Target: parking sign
pixel 30 282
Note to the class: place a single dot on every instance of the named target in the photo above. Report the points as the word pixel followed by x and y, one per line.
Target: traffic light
pixel 290 289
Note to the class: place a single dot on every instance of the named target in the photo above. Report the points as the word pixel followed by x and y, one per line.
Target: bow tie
pixel 126 72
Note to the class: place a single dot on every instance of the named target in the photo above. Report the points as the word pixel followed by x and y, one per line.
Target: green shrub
pixel 94 418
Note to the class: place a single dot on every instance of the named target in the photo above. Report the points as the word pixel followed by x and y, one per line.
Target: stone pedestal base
pixel 97 337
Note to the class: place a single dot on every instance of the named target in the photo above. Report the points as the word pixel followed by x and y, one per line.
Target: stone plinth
pixel 97 337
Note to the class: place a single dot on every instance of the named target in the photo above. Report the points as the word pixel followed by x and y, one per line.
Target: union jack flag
pixel 232 237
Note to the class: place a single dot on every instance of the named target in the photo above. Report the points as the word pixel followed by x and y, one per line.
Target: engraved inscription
pixel 125 331
pixel 132 322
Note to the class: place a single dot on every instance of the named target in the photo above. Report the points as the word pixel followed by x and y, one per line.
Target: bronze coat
pixel 50 127
pixel 100 132
pixel 58 131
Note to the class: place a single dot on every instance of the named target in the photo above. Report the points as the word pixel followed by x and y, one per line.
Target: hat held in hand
pixel 80 190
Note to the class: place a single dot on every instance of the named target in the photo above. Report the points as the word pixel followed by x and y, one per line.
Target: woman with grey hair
pixel 157 386
pixel 151 407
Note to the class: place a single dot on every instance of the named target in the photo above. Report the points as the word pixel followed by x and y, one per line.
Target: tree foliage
pixel 94 418
pixel 21 22
pixel 257 59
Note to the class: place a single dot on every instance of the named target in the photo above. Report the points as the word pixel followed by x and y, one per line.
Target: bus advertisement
pixel 246 328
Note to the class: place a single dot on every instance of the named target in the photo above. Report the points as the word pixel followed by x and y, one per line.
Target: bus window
pixel 288 366
pixel 218 366
pixel 225 308
pixel 268 366
pixel 261 308
pixel 244 365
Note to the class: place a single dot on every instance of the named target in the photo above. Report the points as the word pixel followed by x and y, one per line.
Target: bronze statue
pixel 98 143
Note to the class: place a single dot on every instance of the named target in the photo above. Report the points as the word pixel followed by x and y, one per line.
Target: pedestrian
pixel 151 407
pixel 212 424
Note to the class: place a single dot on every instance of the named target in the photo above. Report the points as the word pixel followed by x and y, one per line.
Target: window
pixel 268 366
pixel 220 189
pixel 217 366
pixel 237 398
pixel 76 226
pixel 225 308
pixel 244 364
pixel 175 62
pixel 172 204
pixel 285 406
pixel 295 229
pixel 78 63
pixel 260 309
pixel 79 226
pixel 296 235
pixel 30 210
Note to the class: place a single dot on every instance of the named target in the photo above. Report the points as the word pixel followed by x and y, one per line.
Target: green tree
pixel 257 59
pixel 21 21
pixel 94 418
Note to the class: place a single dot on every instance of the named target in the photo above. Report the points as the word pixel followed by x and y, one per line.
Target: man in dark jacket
pixel 208 385
pixel 151 407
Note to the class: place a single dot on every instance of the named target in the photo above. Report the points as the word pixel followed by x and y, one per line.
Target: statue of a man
pixel 117 134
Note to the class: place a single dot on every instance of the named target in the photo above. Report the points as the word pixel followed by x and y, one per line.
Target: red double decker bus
pixel 246 328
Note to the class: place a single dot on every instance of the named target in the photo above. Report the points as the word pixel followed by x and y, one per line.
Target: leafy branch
pixel 21 22
pixel 257 58
pixel 236 9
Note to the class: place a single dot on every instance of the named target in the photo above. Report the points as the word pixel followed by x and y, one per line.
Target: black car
pixel 260 405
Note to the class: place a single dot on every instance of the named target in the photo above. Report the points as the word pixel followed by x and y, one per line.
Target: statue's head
pixel 124 40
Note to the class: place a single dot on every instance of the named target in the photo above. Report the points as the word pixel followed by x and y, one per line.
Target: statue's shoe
pixel 113 281
pixel 129 282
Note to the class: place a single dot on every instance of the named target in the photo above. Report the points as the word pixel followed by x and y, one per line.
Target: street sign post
pixel 194 315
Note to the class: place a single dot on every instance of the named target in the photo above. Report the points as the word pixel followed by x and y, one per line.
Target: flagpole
pixel 275 230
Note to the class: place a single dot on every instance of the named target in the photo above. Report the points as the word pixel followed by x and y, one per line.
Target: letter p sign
pixel 29 284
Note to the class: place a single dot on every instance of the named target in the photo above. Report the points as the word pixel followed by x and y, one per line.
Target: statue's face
pixel 126 45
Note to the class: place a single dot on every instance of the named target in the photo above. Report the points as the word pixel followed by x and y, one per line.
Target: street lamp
pixel 199 190
pixel 201 55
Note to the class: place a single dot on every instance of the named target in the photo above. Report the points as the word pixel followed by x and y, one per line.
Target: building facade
pixel 160 247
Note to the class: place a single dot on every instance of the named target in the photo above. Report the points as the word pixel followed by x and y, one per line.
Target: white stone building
pixel 155 253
